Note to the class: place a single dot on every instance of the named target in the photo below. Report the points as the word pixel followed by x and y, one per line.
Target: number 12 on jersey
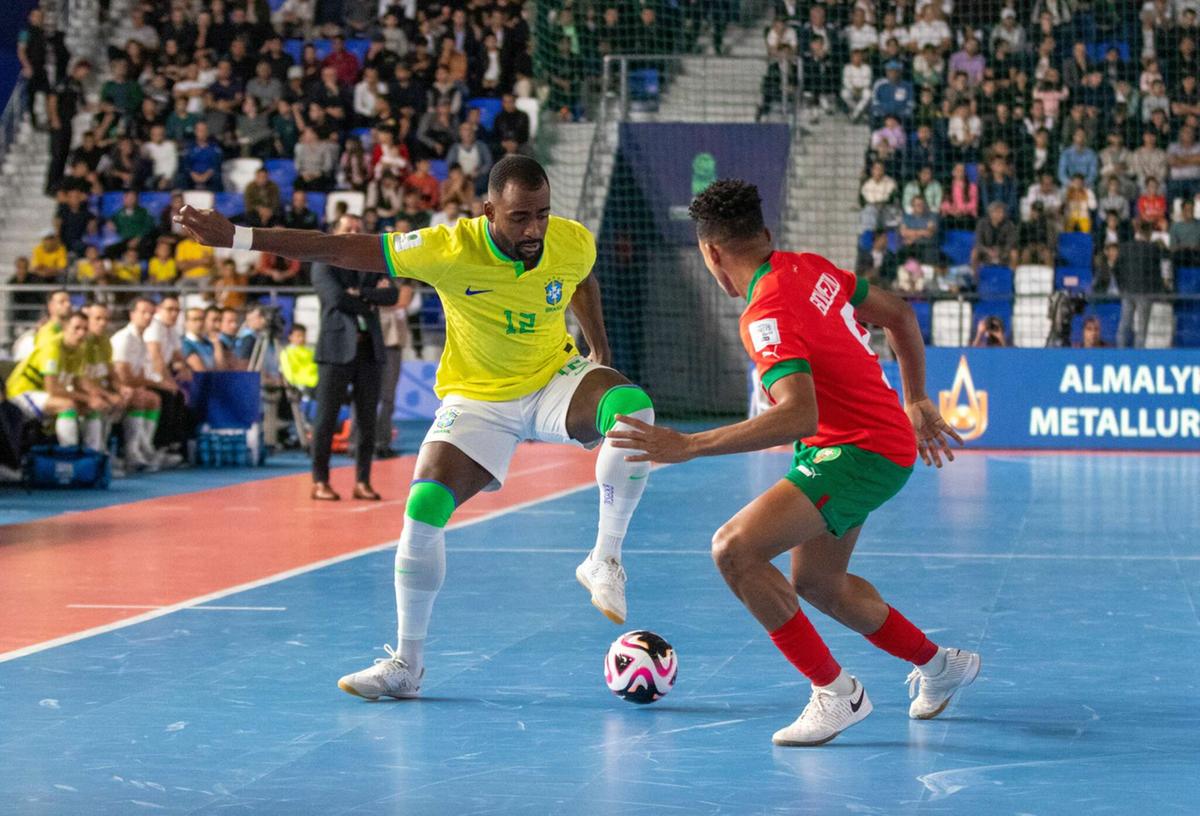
pixel 523 324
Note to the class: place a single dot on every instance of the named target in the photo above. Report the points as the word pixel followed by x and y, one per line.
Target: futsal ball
pixel 640 667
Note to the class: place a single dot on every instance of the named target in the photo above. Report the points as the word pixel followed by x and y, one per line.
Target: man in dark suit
pixel 350 352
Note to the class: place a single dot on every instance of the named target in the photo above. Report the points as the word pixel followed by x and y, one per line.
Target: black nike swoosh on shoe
pixel 854 707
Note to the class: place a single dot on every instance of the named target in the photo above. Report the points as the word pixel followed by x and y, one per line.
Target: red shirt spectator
pixel 342 61
pixel 1152 205
pixel 424 183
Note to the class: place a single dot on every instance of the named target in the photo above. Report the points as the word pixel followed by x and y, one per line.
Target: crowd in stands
pixel 406 105
pixel 1017 121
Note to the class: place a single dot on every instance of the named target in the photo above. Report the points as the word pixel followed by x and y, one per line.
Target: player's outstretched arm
pixel 904 335
pixel 351 251
pixel 794 416
pixel 585 303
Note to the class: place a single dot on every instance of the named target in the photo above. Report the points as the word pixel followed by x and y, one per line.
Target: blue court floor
pixel 1076 577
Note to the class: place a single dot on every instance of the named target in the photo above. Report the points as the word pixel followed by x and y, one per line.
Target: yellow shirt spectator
pixel 127 271
pixel 49 258
pixel 193 260
pixel 162 270
pixel 89 270
pixel 298 366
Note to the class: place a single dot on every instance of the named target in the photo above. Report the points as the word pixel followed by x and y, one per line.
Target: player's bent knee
pixel 430 502
pixel 728 551
pixel 625 399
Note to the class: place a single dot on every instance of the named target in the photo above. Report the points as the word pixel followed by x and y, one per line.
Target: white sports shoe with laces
pixel 605 579
pixel 826 715
pixel 933 693
pixel 389 677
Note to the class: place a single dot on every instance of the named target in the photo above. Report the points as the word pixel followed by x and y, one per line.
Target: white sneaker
pixel 935 692
pixel 390 677
pixel 606 581
pixel 826 715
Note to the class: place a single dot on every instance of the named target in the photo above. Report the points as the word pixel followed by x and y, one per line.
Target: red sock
pixel 900 638
pixel 805 650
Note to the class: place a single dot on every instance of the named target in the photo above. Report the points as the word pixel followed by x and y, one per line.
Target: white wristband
pixel 243 237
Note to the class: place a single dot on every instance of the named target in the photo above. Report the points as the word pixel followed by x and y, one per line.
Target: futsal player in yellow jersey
pixel 510 371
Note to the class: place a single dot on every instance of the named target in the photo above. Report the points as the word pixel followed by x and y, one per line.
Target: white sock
pixel 621 486
pixel 93 432
pixel 420 570
pixel 147 427
pixel 132 436
pixel 66 428
pixel 936 664
pixel 842 684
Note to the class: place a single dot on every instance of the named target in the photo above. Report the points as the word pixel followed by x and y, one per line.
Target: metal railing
pixel 11 119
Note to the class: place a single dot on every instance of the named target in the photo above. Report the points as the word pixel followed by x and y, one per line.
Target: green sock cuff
pixel 430 502
pixel 70 413
pixel 620 399
pixel 134 414
pixel 93 415
pixel 153 414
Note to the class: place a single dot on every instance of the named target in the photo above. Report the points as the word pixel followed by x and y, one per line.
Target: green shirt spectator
pixel 132 221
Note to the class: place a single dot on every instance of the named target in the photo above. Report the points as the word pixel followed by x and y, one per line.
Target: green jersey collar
pixel 498 254
pixel 758 273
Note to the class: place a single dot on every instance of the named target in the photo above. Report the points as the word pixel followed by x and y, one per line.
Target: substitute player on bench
pixel 510 371
pixel 856 451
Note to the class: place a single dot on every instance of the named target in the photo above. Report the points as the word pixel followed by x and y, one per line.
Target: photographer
pixel 989 333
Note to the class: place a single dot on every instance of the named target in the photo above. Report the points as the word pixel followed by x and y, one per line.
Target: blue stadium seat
pixel 229 204
pixel 439 169
pixel 893 240
pixel 957 246
pixel 323 48
pixel 488 109
pixel 1097 50
pixel 431 311
pixel 1187 324
pixel 865 240
pixel 287 308
pixel 972 169
pixel 995 280
pixel 359 49
pixel 923 309
pixel 1187 280
pixel 283 173
pixel 1109 312
pixel 1000 308
pixel 294 49
pixel 316 203
pixel 276 5
pixel 155 203
pixel 643 84
pixel 1074 278
pixel 1075 249
pixel 110 203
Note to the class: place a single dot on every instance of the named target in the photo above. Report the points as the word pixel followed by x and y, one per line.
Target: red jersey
pixel 800 318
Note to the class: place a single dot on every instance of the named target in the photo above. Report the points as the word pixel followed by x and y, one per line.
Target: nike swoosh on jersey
pixel 471 291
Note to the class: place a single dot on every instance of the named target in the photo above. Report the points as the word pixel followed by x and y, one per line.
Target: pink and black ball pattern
pixel 640 667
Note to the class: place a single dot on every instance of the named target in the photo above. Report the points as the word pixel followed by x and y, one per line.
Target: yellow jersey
pixel 86 270
pixel 97 357
pixel 127 272
pixel 506 329
pixel 47 333
pixel 189 250
pixel 54 259
pixel 51 359
pixel 161 271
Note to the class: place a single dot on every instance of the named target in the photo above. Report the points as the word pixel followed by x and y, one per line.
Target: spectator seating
pixel 488 108
pixel 532 109
pixel 316 203
pixel 995 281
pixel 1187 324
pixel 229 205
pixel 1002 309
pixel 110 204
pixel 283 173
pixel 1075 279
pixel 644 87
pixel 1030 321
pixel 355 203
pixel 155 203
pixel 923 311
pixel 1075 249
pixel 238 173
pixel 957 246
pixel 1162 326
pixel 867 238
pixel 308 313
pixel 1108 311
pixel 972 169
pixel 952 325
pixel 439 169
pixel 1033 280
pixel 200 199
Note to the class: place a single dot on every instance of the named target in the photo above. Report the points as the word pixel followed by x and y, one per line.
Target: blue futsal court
pixel 1076 577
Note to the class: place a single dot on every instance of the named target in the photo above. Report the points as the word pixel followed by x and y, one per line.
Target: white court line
pixel 634 551
pixel 271 579
pixel 199 608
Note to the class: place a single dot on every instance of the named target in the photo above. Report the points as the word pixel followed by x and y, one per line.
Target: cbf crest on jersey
pixel 554 292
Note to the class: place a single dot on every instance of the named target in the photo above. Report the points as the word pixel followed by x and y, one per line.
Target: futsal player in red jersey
pixel 855 449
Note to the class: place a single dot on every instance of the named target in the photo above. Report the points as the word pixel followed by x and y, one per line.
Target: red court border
pixel 173 552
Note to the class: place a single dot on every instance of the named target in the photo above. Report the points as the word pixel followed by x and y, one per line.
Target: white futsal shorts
pixel 489 432
pixel 32 404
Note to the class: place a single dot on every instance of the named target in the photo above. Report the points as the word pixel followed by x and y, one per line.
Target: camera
pixel 1064 306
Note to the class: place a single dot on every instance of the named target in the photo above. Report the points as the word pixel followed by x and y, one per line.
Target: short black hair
pixel 728 210
pixel 523 171
pixel 50 295
pixel 298 327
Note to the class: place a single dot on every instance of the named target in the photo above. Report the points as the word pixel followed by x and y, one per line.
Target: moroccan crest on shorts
pixel 554 292
pixel 445 418
pixel 827 455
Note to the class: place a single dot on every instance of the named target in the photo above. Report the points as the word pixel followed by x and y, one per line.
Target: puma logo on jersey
pixel 824 292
